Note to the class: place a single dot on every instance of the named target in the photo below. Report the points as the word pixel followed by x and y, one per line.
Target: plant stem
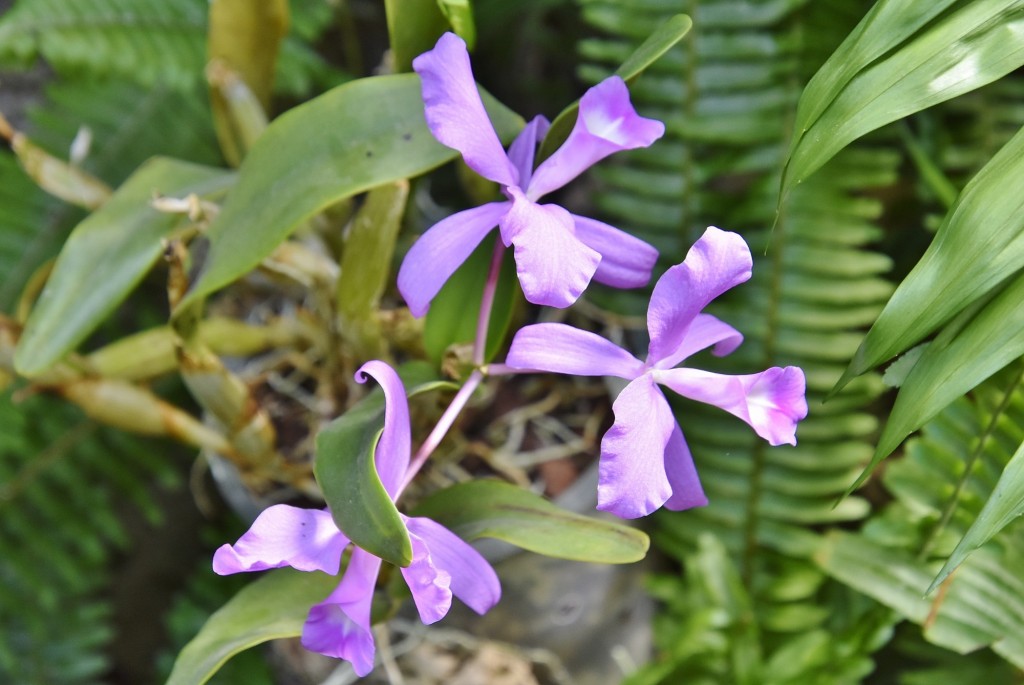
pixel 487 303
pixel 441 429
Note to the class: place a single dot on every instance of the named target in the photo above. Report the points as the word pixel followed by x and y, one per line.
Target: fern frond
pixel 727 97
pixel 149 42
pixel 940 486
pixel 61 494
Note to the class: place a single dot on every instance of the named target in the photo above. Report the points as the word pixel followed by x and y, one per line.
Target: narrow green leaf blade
pixel 1004 506
pixel 275 606
pixel 105 258
pixel 978 246
pixel 948 370
pixel 964 49
pixel 362 134
pixel 347 474
pixel 670 32
pixel 492 509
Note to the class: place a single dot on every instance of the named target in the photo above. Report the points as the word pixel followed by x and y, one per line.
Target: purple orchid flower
pixel 645 462
pixel 308 540
pixel 557 253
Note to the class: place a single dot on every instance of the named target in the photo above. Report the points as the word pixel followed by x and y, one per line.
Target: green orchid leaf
pixel 979 245
pixel 242 44
pixel 106 256
pixel 1005 505
pixel 369 245
pixel 904 57
pixel 357 136
pixel 275 606
pixel 347 474
pixel 670 32
pixel 459 14
pixel 413 28
pixel 447 323
pixel 492 509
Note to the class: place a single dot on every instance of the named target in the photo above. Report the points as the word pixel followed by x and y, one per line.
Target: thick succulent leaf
pixel 667 34
pixel 106 257
pixel 1004 505
pixel 357 136
pixel 978 246
pixel 911 64
pixel 492 509
pixel 346 471
pixel 275 606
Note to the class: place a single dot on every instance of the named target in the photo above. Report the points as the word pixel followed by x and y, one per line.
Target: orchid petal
pixel 772 401
pixel 705 331
pixel 441 250
pixel 632 479
pixel 430 585
pixel 339 626
pixel 554 267
pixel 558 348
pixel 626 261
pixel 392 454
pixel 606 123
pixel 282 535
pixel 454 112
pixel 682 475
pixel 472 579
pixel 715 263
pixel 524 147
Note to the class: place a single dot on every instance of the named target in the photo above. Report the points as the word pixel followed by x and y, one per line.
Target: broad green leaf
pixel 459 14
pixel 670 32
pixel 979 245
pixel 105 258
pixel 492 509
pixel 242 43
pixel 947 370
pixel 909 58
pixel 357 136
pixel 452 319
pixel 1005 505
pixel 366 267
pixel 413 28
pixel 275 606
pixel 347 474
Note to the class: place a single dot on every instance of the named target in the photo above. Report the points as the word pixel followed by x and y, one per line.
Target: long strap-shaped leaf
pixel 903 58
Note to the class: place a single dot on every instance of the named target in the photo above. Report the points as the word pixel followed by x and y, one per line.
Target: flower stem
pixel 441 429
pixel 487 304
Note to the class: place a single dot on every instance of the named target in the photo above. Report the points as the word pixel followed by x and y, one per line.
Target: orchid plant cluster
pixel 644 463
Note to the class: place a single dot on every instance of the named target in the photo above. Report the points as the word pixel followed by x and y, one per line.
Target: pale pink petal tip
pixel 776 402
